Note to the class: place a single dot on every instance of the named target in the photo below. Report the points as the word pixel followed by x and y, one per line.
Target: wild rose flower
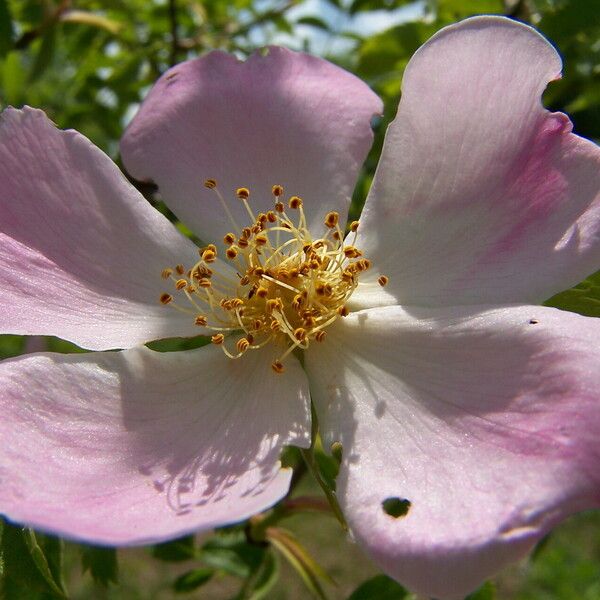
pixel 454 398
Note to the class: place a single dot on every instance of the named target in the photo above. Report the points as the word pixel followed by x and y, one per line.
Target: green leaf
pixel 6 29
pixel 451 10
pixel 314 22
pixel 584 298
pixel 265 578
pixel 12 80
pixel 301 561
pixel 47 556
pixel 486 592
pixel 380 587
pixel 328 467
pixel 45 54
pixel 192 580
pixel 30 568
pixel 101 563
pixel 83 17
pixel 229 551
pixel 176 551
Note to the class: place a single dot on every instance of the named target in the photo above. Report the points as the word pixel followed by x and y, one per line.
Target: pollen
pixel 332 219
pixel 243 193
pixel 295 202
pixel 166 298
pixel 282 285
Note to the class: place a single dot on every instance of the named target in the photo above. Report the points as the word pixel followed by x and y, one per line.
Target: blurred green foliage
pixel 88 64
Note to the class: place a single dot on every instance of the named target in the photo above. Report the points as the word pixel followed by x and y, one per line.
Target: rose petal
pixel 481 195
pixel 487 422
pixel 136 447
pixel 81 251
pixel 279 118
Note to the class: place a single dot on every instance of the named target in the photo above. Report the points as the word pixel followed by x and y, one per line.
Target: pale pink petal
pixel 81 251
pixel 136 447
pixel 281 117
pixel 481 195
pixel 486 420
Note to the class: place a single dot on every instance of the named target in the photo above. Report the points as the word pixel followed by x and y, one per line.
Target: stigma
pixel 286 286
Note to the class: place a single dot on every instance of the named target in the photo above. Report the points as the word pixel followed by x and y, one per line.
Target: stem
pixel 309 458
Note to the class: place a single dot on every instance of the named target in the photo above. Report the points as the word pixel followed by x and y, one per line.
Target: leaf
pixel 265 578
pixel 486 592
pixel 584 298
pixel 380 587
pixel 45 54
pixel 310 571
pixel 192 580
pixel 48 559
pixel 12 80
pixel 83 17
pixel 314 22
pixel 101 563
pixel 6 29
pixel 178 550
pixel 229 551
pixel 23 561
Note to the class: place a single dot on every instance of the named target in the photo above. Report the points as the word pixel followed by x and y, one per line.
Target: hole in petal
pixel 396 507
pixel 533 321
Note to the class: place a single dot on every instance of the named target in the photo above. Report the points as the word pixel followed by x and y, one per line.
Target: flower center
pixel 286 287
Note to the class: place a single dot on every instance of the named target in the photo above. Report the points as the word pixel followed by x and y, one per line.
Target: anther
pixel 180 284
pixel 242 345
pixel 180 269
pixel 166 298
pixel 246 232
pixel 320 335
pixel 217 339
pixel 336 235
pixel 300 334
pixel 352 252
pixel 297 302
pixel 261 240
pixel 271 217
pixel 209 255
pixel 242 242
pixel 211 184
pixel 231 253
pixel 229 239
pixel 382 281
pixel 343 311
pixel 204 283
pixel 262 292
pixel 279 207
pixel 277 367
pixel 166 273
pixel 332 219
pixel 201 320
pixel 242 193
pixel 273 304
pixel 354 226
pixel 277 190
pixel 295 202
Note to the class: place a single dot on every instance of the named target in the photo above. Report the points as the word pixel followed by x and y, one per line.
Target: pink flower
pixel 448 389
